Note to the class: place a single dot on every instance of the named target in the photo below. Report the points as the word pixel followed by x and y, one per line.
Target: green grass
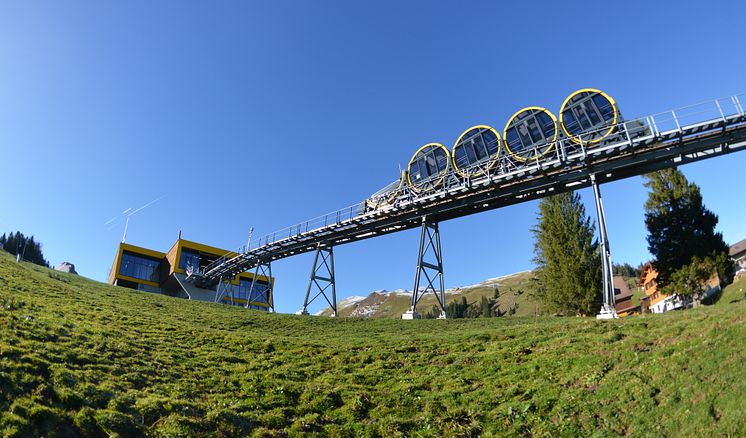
pixel 733 293
pixel 79 357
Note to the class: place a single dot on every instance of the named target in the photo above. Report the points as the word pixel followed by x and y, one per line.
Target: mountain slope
pixel 81 358
pixel 516 293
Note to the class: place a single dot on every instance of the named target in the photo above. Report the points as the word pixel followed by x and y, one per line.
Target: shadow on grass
pixel 713 299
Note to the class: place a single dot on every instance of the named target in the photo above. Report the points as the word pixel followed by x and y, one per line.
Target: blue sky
pixel 265 114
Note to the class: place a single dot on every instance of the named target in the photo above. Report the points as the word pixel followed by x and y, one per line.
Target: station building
pixel 168 273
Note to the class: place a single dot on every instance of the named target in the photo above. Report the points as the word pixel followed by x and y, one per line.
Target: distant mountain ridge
pixel 515 293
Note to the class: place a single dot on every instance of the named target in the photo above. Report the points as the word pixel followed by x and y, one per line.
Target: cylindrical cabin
pixel 428 167
pixel 476 151
pixel 588 116
pixel 530 133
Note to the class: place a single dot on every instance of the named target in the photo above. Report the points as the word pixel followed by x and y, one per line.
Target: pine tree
pixel 679 226
pixel 11 244
pixel 567 257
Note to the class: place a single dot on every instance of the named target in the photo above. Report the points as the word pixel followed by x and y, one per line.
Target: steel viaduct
pixel 639 146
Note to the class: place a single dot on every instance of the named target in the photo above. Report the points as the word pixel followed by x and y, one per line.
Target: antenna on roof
pixel 130 212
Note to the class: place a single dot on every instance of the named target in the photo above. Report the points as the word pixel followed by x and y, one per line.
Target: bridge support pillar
pixel 224 288
pixel 430 271
pixel 322 279
pixel 258 292
pixel 607 308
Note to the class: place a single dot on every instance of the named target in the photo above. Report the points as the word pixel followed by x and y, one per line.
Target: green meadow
pixel 81 358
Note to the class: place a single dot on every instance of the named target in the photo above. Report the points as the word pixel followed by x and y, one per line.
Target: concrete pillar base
pixel 607 314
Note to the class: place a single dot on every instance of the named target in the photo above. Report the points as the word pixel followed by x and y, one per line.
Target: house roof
pixel 621 290
pixel 737 248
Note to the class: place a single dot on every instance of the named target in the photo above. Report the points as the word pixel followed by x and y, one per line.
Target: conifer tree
pixel 18 244
pixel 680 227
pixel 567 257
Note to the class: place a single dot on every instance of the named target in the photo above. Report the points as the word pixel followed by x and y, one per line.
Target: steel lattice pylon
pixel 431 272
pixel 264 269
pixel 322 277
pixel 224 288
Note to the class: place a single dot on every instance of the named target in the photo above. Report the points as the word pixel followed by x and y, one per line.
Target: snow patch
pixel 366 311
pixel 351 300
pixel 496 279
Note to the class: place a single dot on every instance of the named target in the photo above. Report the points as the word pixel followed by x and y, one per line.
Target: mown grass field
pixel 82 358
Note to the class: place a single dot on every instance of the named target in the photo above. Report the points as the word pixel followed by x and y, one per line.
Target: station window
pixel 189 258
pixel 244 286
pixel 260 294
pixel 140 267
pixel 198 260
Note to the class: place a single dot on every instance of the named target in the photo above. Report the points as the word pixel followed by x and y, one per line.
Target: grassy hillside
pixel 732 294
pixel 82 358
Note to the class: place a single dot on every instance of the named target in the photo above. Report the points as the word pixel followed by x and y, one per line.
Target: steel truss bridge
pixel 639 146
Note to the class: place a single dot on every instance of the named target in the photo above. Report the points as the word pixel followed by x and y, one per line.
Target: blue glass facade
pixel 260 291
pixel 188 259
pixel 140 267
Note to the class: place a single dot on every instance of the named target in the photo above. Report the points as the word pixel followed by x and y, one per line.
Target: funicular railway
pixel 537 155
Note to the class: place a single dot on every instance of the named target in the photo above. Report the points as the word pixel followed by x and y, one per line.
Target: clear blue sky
pixel 265 114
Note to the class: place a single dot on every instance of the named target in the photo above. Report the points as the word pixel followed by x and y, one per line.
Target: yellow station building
pixel 147 270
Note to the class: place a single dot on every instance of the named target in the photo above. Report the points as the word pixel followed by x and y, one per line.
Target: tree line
pixel 29 249
pixel 626 270
pixel 485 307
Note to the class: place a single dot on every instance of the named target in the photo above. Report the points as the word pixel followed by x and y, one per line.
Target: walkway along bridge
pixel 637 147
